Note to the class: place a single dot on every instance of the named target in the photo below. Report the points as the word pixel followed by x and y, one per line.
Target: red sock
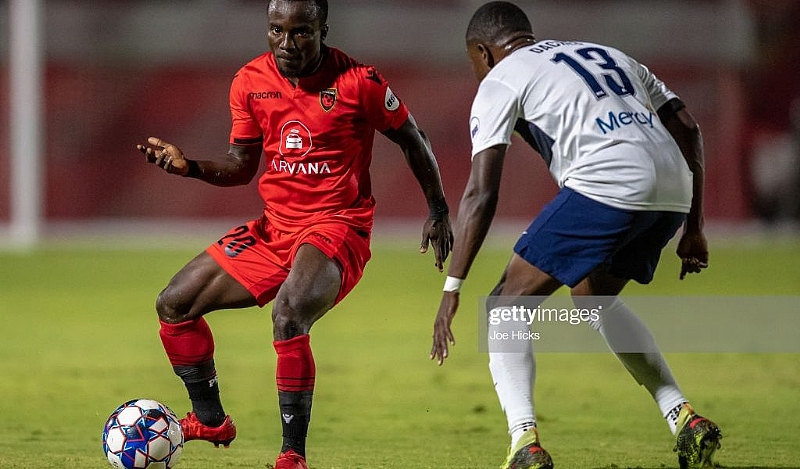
pixel 295 374
pixel 295 370
pixel 187 343
pixel 190 349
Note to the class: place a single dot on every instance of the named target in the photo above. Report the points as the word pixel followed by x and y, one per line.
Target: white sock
pixel 672 418
pixel 514 374
pixel 624 332
pixel 517 433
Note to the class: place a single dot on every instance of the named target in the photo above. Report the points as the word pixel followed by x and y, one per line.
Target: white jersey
pixel 590 111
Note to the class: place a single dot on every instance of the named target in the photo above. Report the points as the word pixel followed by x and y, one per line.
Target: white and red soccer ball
pixel 143 434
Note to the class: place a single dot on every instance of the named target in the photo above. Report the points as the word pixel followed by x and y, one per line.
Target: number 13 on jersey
pixel 616 79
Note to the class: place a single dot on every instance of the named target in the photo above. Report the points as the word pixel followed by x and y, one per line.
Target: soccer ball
pixel 143 434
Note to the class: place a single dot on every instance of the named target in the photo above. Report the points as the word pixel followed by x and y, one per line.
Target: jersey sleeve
pixel 383 108
pixel 656 89
pixel 244 127
pixel 494 113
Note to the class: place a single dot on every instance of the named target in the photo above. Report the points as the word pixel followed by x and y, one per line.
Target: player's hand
pixel 693 251
pixel 437 232
pixel 165 155
pixel 442 334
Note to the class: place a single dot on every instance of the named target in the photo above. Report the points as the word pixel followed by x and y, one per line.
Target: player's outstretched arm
pixel 238 167
pixel 165 155
pixel 420 158
pixel 475 214
pixel 443 336
pixel 692 247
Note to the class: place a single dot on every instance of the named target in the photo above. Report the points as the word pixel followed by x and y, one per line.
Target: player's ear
pixel 323 32
pixel 486 55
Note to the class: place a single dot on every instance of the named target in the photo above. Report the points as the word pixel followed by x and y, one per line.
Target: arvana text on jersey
pixel 283 166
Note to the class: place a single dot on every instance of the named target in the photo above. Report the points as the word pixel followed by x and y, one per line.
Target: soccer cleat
pixel 194 429
pixel 697 440
pixel 290 460
pixel 528 454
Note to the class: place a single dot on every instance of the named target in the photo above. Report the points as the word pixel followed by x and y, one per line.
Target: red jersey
pixel 317 137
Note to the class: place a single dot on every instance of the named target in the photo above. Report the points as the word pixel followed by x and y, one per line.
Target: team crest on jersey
pixel 327 99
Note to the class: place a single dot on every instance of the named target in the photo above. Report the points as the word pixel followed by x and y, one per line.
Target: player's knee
pixel 287 324
pixel 294 315
pixel 170 308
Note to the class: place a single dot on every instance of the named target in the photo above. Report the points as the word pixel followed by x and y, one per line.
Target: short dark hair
pixel 495 21
pixel 321 7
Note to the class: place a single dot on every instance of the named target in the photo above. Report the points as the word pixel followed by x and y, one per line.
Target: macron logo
pixel 287 417
pixel 265 95
pixel 621 119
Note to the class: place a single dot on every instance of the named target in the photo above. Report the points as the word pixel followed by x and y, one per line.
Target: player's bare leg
pixel 198 288
pixel 308 293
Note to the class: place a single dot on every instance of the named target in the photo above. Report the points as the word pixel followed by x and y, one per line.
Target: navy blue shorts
pixel 574 234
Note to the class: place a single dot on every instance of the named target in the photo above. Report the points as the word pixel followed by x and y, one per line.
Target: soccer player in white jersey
pixel 628 158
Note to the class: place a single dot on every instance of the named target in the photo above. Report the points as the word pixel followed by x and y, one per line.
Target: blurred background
pixel 114 72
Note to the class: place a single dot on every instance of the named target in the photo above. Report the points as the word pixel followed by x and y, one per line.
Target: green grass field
pixel 79 336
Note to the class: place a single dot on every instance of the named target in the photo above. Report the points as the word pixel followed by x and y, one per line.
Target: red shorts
pixel 259 256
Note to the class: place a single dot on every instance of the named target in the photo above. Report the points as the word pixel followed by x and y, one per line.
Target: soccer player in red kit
pixel 312 111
